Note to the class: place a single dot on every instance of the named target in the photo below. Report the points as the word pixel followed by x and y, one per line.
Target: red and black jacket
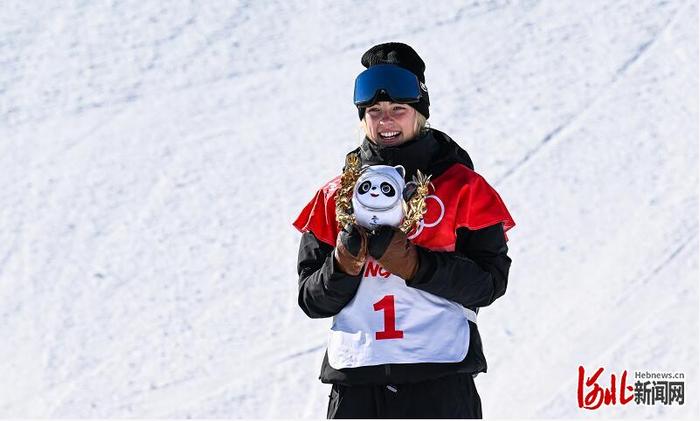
pixel 473 272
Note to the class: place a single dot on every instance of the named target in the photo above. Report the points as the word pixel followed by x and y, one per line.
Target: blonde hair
pixel 422 126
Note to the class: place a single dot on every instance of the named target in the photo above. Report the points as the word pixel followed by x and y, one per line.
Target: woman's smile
pixel 390 123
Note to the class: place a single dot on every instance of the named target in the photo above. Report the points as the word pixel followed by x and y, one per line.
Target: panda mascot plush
pixel 378 196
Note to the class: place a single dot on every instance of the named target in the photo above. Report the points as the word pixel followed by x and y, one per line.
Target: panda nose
pixel 374 188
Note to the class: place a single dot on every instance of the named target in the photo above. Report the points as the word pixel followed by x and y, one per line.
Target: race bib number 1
pixel 387 305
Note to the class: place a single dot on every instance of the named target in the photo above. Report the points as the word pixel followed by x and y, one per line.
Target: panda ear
pixel 409 190
pixel 401 170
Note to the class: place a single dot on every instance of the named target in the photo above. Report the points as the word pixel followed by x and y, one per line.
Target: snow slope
pixel 154 154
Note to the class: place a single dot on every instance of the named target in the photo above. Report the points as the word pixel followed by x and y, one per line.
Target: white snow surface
pixel 154 154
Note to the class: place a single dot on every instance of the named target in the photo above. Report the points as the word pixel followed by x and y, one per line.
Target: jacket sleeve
pixel 474 275
pixel 323 290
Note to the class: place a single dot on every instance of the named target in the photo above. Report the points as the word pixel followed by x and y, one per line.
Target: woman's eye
pixel 399 109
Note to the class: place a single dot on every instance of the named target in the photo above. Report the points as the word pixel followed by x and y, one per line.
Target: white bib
pixel 388 322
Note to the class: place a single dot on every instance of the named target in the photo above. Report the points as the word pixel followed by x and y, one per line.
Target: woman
pixel 404 341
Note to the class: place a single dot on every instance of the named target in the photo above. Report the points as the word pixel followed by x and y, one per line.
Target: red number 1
pixel 389 332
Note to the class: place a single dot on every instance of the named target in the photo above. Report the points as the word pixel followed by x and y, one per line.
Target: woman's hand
pixel 351 249
pixel 392 249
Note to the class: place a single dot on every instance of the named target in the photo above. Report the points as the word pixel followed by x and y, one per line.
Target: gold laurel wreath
pixel 343 197
pixel 413 210
pixel 416 207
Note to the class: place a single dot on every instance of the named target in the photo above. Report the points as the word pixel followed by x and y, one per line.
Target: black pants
pixel 452 396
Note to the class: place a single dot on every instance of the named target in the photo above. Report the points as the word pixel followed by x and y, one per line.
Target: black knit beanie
pixel 404 56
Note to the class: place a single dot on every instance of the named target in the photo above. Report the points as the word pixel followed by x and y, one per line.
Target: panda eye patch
pixel 364 187
pixel 388 189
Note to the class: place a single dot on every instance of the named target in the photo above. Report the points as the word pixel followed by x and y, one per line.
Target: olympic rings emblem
pixel 422 224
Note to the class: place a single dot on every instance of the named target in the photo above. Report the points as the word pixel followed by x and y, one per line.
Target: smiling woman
pixel 391 123
pixel 404 341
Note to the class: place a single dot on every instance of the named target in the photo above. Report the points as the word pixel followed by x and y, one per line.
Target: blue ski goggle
pixel 396 82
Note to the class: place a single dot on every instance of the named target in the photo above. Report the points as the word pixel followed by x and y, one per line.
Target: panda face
pixel 377 191
pixel 377 198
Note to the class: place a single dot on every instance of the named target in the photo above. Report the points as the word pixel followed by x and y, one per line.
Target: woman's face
pixel 390 123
